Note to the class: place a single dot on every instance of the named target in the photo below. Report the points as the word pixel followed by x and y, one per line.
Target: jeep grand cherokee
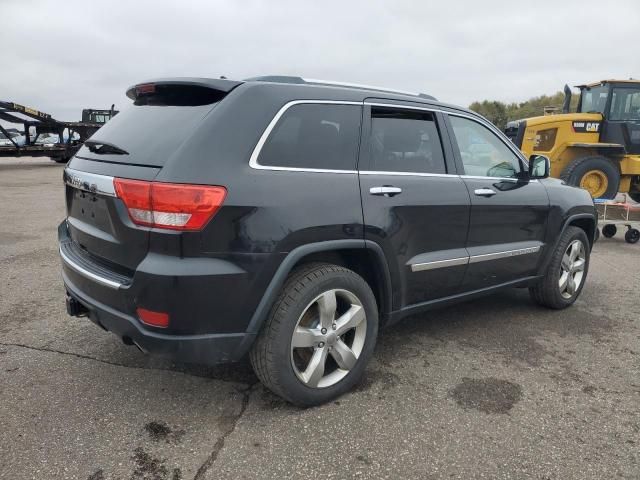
pixel 290 219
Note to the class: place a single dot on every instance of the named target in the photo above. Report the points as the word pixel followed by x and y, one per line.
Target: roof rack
pixel 333 83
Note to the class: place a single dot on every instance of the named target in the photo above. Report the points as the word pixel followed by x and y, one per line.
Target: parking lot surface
pixel 492 388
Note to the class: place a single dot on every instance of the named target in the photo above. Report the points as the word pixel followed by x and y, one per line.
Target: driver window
pixel 483 153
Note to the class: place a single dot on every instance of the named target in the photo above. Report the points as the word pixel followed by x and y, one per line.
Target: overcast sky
pixel 61 56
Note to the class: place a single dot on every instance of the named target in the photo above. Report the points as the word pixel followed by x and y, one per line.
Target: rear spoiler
pixel 221 85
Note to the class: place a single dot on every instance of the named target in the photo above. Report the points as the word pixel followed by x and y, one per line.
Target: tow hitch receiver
pixel 75 308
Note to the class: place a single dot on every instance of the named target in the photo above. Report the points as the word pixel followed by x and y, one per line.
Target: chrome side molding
pixel 453 262
pixel 505 254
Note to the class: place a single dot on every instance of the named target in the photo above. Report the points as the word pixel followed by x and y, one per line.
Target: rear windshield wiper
pixel 98 146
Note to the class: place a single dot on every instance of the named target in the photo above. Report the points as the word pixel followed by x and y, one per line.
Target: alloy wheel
pixel 328 338
pixel 572 269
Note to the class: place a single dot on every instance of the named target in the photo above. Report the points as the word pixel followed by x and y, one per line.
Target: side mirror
pixel 539 166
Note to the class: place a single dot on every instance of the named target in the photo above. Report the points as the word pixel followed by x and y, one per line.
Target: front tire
pixel 597 175
pixel 566 273
pixel 319 336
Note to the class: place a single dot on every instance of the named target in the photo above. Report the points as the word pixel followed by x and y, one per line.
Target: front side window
pixel 403 141
pixel 483 153
pixel 625 104
pixel 594 99
pixel 318 136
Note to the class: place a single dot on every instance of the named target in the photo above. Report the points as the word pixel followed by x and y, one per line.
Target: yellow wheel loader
pixel 596 148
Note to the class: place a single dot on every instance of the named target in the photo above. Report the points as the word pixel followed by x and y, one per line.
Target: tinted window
pixel 156 125
pixel 625 104
pixel 405 142
pixel 314 136
pixel 594 99
pixel 483 153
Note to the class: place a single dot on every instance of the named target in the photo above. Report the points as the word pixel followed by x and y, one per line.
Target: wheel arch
pixel 585 221
pixel 363 256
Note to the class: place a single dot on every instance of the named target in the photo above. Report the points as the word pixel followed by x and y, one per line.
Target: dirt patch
pixel 489 395
pixel 149 467
pixel 160 431
pixel 97 475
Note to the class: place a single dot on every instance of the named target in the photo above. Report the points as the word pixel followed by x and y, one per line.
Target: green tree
pixel 500 113
pixel 495 111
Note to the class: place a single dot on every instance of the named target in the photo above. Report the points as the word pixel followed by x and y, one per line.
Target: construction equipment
pixel 43 135
pixel 596 148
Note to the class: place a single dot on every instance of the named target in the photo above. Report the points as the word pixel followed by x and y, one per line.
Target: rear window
pixel 319 136
pixel 154 127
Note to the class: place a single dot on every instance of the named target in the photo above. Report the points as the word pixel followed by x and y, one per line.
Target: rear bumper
pixel 209 301
pixel 207 349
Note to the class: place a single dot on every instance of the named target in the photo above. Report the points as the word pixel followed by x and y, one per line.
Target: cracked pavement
pixel 493 388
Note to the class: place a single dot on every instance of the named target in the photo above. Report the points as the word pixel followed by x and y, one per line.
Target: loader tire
pixel 598 175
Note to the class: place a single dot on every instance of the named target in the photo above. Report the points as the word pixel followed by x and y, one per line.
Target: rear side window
pixel 319 136
pixel 405 141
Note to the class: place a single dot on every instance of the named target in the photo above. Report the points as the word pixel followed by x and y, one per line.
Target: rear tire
pixel 598 175
pixel 566 272
pixel 317 297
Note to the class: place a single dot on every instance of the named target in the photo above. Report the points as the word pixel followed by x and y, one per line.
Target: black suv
pixel 290 219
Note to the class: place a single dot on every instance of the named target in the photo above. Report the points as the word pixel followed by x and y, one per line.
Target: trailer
pixel 612 214
pixel 43 135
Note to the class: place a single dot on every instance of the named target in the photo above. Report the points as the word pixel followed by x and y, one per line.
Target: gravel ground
pixel 494 388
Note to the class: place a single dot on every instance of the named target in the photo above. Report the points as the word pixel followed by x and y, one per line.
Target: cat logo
pixel 586 127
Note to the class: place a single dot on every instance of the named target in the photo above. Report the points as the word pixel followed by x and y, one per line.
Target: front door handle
pixel 484 192
pixel 386 191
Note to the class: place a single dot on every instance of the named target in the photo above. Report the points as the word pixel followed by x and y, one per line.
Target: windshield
pixel 625 104
pixel 594 99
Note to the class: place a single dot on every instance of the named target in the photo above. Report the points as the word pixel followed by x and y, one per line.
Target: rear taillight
pixel 174 206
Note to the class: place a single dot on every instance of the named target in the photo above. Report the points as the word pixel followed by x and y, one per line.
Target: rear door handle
pixel 484 192
pixel 386 191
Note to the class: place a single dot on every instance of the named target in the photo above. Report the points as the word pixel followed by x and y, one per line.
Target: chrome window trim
pixel 409 174
pixel 255 154
pixel 86 273
pixel 253 160
pixel 452 262
pixel 89 182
